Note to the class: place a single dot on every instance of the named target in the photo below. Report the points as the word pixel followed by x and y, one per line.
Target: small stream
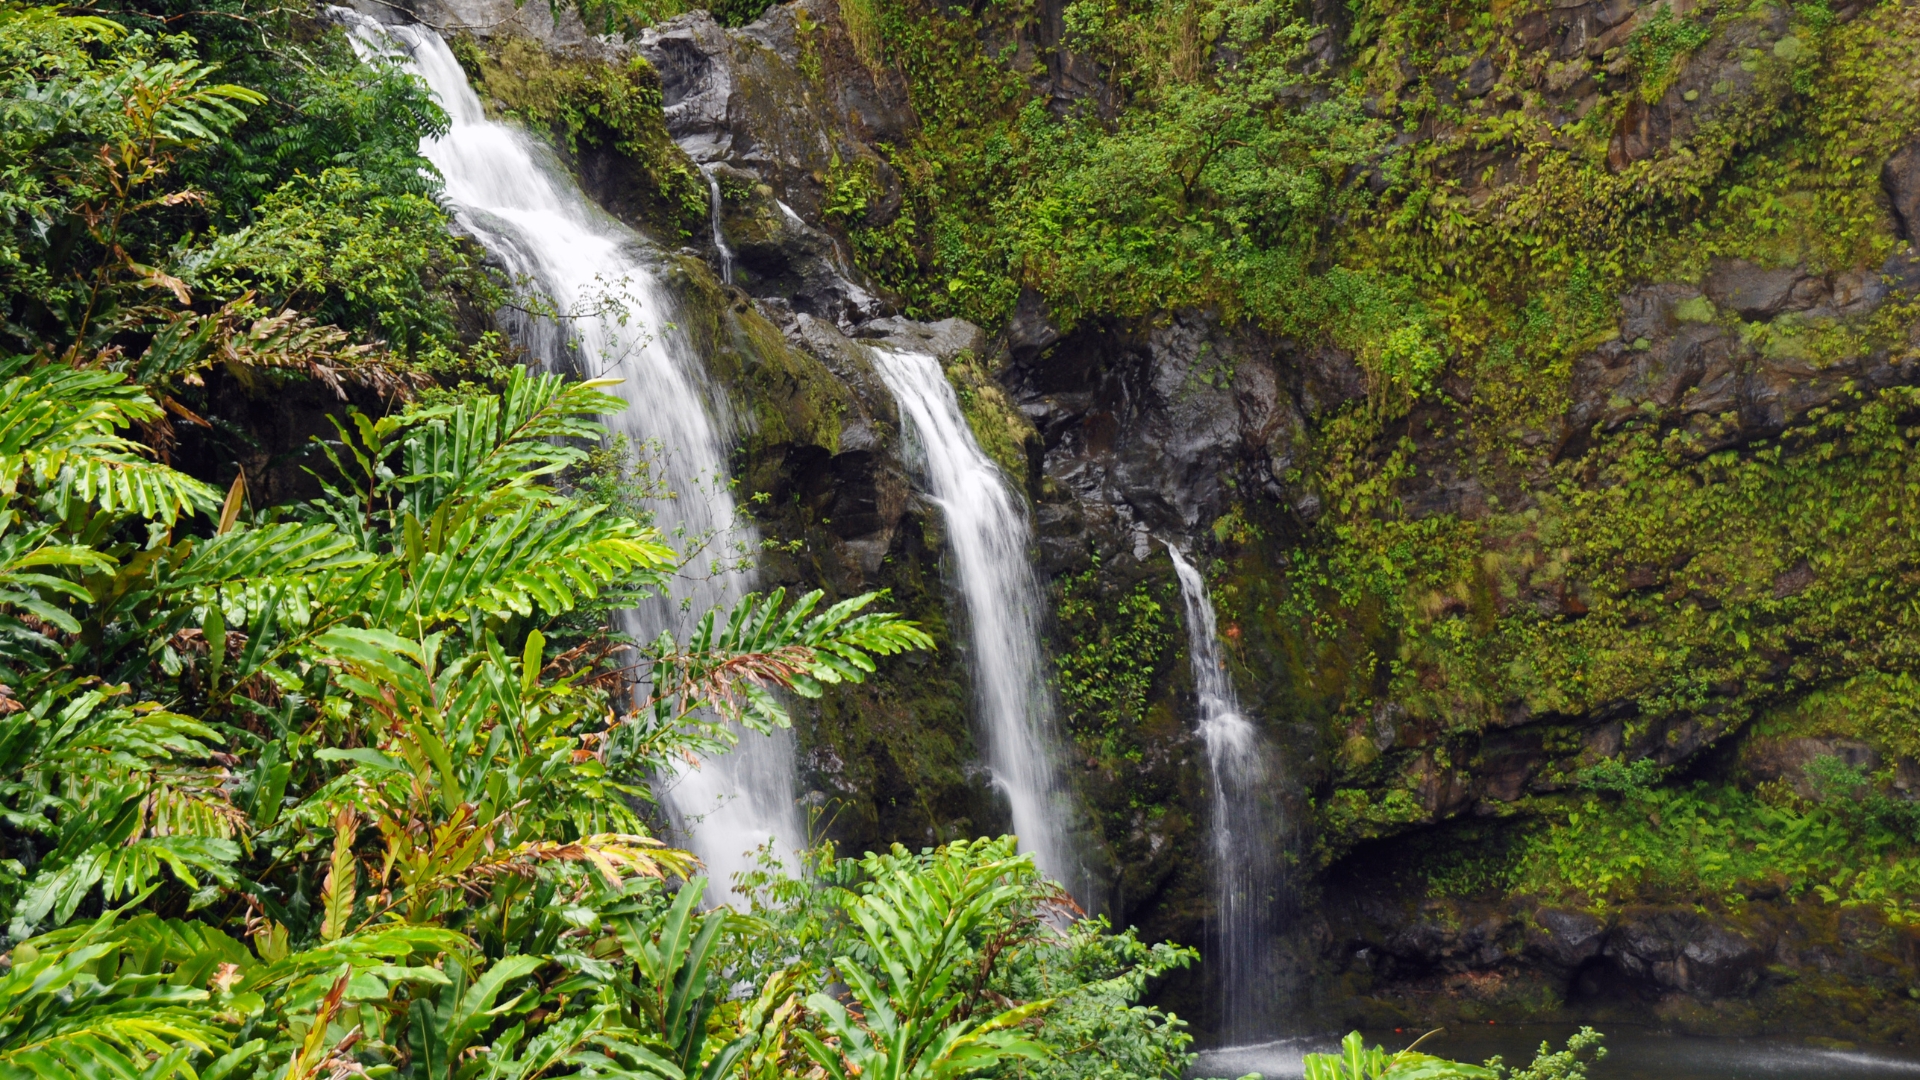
pixel 1632 1054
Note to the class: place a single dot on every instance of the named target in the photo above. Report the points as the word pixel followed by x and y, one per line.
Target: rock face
pixel 738 104
pixel 1735 80
pixel 1679 967
pixel 1689 356
pixel 1189 428
pixel 1157 424
pixel 1901 177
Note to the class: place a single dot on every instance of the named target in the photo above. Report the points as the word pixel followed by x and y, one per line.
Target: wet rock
pixel 1794 580
pixel 1028 332
pixel 1763 760
pixel 1570 28
pixel 1328 379
pixel 1613 384
pixel 557 27
pixel 1901 177
pixel 694 59
pixel 942 340
pixel 1734 78
pixel 1860 292
pixel 1480 76
pixel 1429 937
pixel 1676 949
pixel 1446 477
pixel 1756 293
pixel 1675 363
pixel 1565 938
pixel 1505 765
pixel 1155 423
pixel 738 104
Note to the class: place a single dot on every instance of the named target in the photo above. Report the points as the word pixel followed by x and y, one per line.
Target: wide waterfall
pixel 1244 832
pixel 988 534
pixel 613 319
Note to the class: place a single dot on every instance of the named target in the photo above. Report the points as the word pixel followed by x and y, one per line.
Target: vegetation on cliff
pixel 1460 200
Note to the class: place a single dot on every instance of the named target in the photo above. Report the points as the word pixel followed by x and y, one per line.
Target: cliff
pixel 1539 383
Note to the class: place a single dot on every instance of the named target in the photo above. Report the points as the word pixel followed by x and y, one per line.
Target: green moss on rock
pixel 588 105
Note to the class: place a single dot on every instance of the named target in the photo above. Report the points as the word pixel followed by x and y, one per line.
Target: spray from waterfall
pixel 1245 832
pixel 713 215
pixel 988 535
pixel 616 320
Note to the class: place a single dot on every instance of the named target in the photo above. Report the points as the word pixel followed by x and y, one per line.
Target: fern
pixel 58 432
pixel 98 1003
pixel 766 645
pixel 916 921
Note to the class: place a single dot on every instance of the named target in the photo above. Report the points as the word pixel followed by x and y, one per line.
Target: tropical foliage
pixel 327 765
pixel 1355 1060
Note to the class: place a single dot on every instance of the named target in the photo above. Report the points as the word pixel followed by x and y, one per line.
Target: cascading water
pixel 988 533
pixel 616 321
pixel 1245 832
pixel 719 233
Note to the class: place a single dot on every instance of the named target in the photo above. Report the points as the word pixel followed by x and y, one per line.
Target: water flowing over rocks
pixel 1123 433
pixel 1138 430
pixel 737 103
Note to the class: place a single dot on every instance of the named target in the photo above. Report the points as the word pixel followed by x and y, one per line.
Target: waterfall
pixel 719 233
pixel 988 533
pixel 615 320
pixel 1244 832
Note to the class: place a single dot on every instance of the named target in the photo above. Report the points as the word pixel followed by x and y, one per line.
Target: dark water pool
pixel 1631 1055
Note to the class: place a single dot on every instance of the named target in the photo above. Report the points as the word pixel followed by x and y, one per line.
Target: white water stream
pixel 988 534
pixel 713 223
pixel 616 320
pixel 1244 833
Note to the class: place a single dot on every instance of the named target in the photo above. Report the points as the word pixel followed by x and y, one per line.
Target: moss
pixel 786 396
pixel 1004 433
pixel 586 105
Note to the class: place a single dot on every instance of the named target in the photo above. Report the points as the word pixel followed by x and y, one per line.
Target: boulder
pixel 1565 938
pixel 1756 293
pixel 943 340
pixel 1669 949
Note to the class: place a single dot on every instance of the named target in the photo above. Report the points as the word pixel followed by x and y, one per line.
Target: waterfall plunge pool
pixel 1632 1054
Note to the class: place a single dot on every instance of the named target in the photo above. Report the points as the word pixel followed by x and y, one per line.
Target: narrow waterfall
pixel 988 533
pixel 512 196
pixel 713 215
pixel 1244 831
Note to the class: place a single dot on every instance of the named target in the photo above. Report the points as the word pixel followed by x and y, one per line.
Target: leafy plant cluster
pixel 1357 1061
pixel 1658 45
pixel 1207 188
pixel 1118 639
pixel 356 783
pixel 1848 843
pixel 116 237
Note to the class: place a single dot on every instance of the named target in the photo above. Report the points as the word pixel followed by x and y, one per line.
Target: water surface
pixel 1632 1054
